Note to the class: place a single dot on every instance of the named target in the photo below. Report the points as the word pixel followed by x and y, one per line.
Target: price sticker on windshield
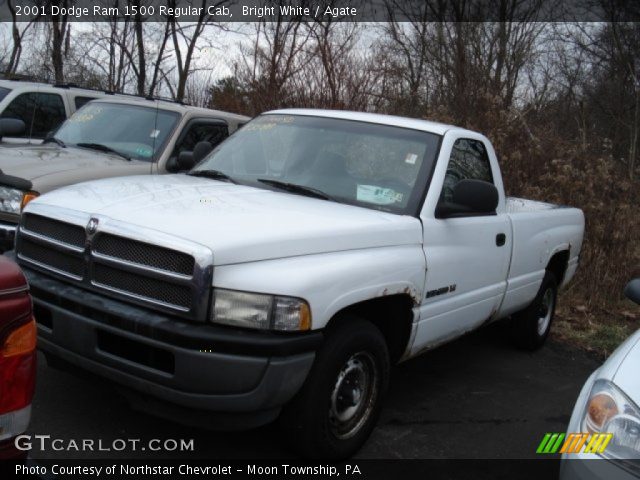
pixel 378 195
pixel 411 158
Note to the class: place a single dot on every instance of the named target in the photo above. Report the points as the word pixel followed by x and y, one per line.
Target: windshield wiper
pixel 212 174
pixel 55 140
pixel 295 188
pixel 102 148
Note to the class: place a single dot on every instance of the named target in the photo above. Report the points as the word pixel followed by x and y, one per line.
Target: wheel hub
pixel 545 311
pixel 353 395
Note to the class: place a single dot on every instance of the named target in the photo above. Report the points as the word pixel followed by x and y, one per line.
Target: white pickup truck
pixel 288 270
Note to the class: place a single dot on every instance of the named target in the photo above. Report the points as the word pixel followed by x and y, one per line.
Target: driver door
pixel 467 256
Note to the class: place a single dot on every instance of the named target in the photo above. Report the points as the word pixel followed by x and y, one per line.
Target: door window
pixel 197 132
pixel 4 92
pixel 22 107
pixel 468 161
pixel 49 115
pixel 80 102
pixel 40 112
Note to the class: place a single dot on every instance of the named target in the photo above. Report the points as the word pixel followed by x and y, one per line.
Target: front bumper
pixel 7 236
pixel 164 362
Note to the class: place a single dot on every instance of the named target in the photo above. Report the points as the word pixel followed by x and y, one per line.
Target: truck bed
pixel 539 231
pixel 518 205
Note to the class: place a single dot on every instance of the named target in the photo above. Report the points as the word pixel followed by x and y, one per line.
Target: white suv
pixel 41 107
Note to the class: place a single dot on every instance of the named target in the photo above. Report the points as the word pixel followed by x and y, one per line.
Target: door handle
pixel 501 239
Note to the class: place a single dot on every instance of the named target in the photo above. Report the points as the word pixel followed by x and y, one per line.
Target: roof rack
pixel 67 86
pixel 111 92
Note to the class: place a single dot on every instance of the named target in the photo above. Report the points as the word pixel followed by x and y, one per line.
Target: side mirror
pixel 172 165
pixel 201 150
pixel 187 160
pixel 11 127
pixel 470 197
pixel 632 290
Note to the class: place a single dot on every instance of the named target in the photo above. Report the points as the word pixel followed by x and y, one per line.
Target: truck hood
pixel 238 223
pixel 49 166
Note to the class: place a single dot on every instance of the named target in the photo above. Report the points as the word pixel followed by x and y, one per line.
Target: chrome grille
pixel 143 270
pixel 60 231
pixel 58 260
pixel 150 288
pixel 143 254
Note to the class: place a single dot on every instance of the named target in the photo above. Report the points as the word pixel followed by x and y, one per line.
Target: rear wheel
pixel 338 406
pixel 531 326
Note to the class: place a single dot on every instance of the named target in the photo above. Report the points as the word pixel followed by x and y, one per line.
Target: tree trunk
pixel 59 30
pixel 142 62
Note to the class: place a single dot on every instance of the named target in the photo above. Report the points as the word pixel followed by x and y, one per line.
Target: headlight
pixel 10 200
pixel 13 200
pixel 609 410
pixel 254 310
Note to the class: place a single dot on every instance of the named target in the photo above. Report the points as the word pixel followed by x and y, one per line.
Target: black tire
pixel 328 418
pixel 531 326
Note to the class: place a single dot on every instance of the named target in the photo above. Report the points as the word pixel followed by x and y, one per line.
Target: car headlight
pixel 10 200
pixel 254 310
pixel 609 410
pixel 13 200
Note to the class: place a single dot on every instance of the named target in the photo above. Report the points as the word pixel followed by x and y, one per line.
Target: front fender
pixel 332 281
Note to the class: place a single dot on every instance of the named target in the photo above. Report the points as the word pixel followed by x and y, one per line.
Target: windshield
pixel 365 164
pixel 4 92
pixel 134 131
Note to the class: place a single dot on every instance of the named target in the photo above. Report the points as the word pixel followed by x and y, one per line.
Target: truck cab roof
pixel 392 120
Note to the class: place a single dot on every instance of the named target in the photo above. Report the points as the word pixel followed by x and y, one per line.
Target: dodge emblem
pixel 92 226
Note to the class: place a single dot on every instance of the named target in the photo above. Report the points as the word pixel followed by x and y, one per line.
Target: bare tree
pixel 334 62
pixel 105 47
pixel 276 54
pixel 142 47
pixel 60 30
pixel 407 44
pixel 605 99
pixel 186 37
pixel 17 36
pixel 444 58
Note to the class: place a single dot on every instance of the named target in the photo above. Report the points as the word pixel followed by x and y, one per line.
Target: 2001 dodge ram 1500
pixel 288 270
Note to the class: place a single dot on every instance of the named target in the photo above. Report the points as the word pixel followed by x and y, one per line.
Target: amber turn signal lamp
pixel 601 409
pixel 27 197
pixel 21 341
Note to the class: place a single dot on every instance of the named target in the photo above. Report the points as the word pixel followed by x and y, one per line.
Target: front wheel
pixel 531 326
pixel 338 406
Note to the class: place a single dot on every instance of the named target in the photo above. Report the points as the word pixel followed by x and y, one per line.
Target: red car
pixel 17 356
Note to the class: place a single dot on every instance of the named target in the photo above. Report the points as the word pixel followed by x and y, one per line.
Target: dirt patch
pixel 595 329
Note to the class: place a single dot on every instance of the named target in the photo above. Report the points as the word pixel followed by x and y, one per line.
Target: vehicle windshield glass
pixel 4 92
pixel 365 164
pixel 135 131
